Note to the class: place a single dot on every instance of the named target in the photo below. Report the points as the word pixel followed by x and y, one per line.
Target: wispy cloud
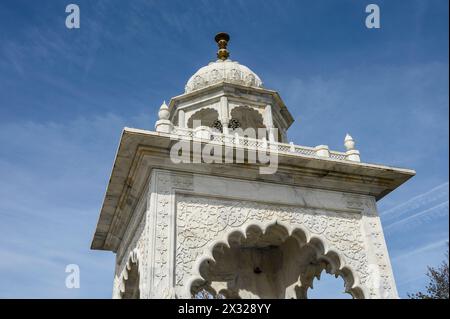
pixel 436 194
pixel 417 233
pixel 420 250
pixel 394 119
pixel 426 215
pixel 53 179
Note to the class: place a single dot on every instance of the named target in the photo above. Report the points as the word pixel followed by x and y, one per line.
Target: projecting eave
pixel 140 151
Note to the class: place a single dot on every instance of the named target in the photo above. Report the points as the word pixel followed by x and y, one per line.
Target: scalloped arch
pixel 207 116
pixel 333 260
pixel 247 116
pixel 131 265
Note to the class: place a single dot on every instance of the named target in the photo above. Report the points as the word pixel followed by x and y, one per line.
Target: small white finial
pixel 164 125
pixel 349 142
pixel 351 153
pixel 164 112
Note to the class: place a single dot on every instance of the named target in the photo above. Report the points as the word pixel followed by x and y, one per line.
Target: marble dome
pixel 223 71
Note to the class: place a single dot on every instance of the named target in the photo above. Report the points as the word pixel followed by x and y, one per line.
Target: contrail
pixel 419 214
pixel 421 249
pixel 438 193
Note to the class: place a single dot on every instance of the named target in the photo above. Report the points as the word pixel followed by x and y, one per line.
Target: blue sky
pixel 65 96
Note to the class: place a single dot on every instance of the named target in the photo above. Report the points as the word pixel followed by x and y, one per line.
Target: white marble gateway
pixel 179 228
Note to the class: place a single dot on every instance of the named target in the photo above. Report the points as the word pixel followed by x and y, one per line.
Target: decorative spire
pixel 351 154
pixel 164 112
pixel 222 39
pixel 164 125
pixel 349 142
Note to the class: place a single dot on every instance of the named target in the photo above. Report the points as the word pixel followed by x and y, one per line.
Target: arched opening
pixel 328 287
pixel 268 264
pixel 247 118
pixel 206 117
pixel 131 282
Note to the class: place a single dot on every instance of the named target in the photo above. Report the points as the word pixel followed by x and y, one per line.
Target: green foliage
pixel 438 285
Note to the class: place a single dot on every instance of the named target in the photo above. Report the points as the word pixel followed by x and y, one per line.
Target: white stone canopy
pixel 177 227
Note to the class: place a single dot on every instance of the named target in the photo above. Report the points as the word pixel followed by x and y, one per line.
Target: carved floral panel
pixel 200 220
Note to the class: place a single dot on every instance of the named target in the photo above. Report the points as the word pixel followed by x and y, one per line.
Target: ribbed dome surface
pixel 219 71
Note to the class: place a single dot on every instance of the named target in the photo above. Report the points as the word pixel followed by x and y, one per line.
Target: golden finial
pixel 222 39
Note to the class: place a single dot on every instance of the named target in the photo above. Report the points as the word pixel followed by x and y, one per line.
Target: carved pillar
pixel 268 119
pixel 223 113
pixel 161 227
pixel 181 119
pixel 132 253
pixel 381 282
